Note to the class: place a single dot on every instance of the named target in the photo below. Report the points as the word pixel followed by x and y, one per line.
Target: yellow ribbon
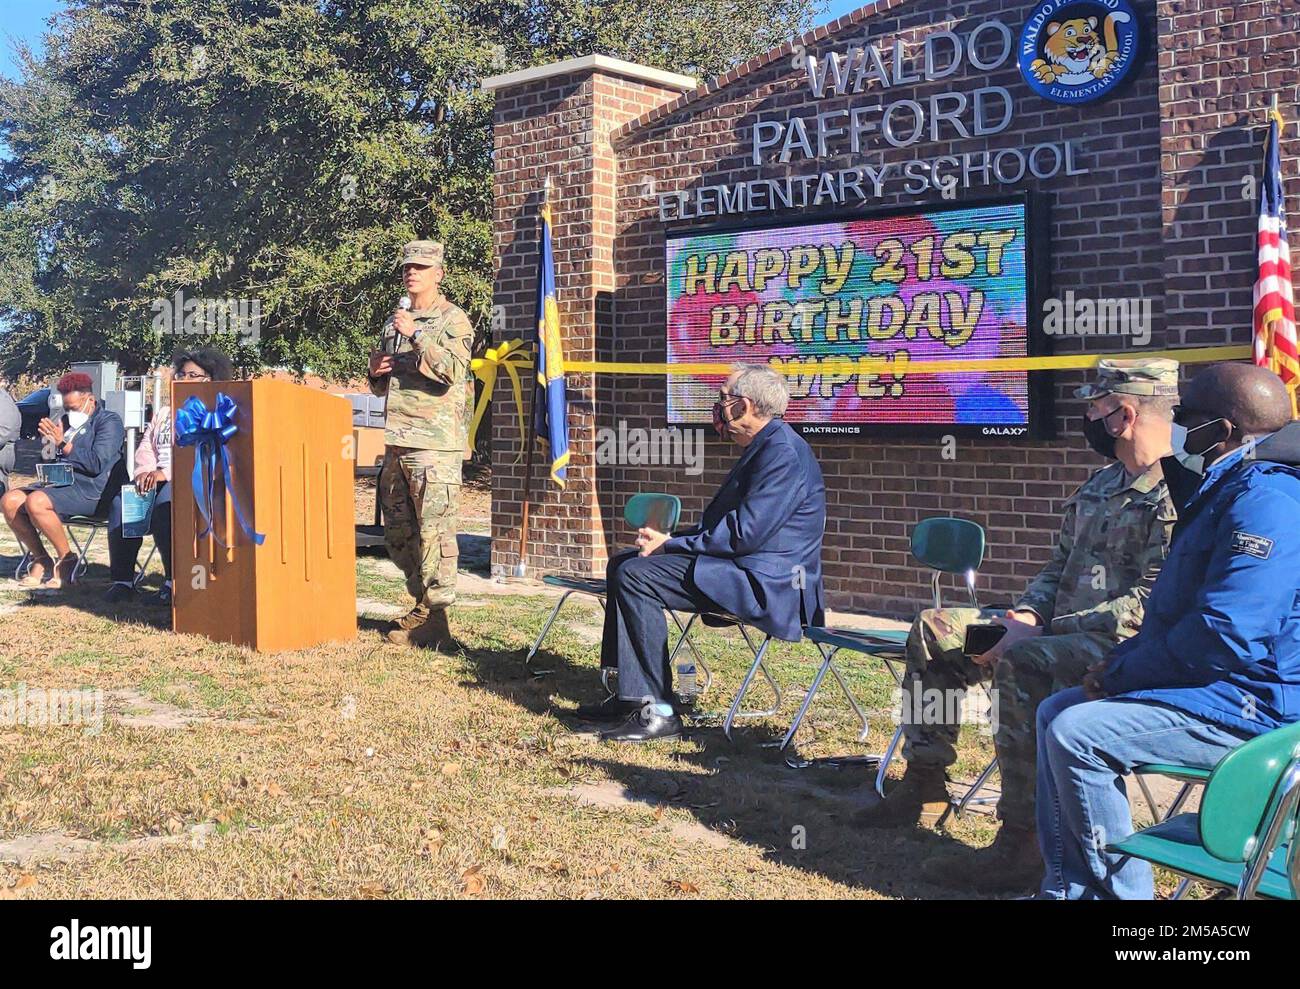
pixel 510 355
pixel 883 365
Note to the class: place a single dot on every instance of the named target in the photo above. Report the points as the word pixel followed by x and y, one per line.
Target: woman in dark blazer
pixel 89 438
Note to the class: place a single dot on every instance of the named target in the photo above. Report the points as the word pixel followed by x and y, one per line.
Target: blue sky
pixel 838 8
pixel 22 20
pixel 25 20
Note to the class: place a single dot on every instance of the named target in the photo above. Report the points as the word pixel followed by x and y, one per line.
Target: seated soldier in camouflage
pixel 1113 539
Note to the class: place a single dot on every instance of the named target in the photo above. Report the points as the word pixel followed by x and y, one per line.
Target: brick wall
pixel 556 127
pixel 1220 64
pixel 1112 231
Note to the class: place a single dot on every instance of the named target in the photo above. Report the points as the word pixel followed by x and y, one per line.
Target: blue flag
pixel 550 409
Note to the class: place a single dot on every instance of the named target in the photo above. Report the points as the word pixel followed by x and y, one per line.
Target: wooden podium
pixel 291 469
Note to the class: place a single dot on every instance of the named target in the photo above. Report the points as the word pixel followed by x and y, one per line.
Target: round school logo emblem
pixel 1078 51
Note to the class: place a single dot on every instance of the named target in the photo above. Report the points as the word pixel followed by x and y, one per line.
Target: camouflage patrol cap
pixel 1152 376
pixel 424 252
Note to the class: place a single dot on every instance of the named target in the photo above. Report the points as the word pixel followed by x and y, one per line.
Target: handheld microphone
pixel 390 339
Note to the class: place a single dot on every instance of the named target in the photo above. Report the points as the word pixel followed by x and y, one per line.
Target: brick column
pixel 555 121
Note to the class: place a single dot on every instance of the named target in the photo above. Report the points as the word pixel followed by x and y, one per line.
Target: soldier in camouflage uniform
pixel 1089 597
pixel 421 367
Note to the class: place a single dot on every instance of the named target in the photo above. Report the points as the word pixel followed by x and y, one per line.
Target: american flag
pixel 1275 331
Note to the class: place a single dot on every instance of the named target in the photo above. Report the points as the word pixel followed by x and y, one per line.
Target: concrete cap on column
pixel 585 63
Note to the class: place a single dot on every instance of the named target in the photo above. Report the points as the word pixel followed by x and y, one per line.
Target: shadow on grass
pixel 741 788
pixel 797 819
pixel 87 594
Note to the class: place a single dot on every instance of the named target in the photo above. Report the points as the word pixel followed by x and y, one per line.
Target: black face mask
pixel 722 421
pixel 1182 483
pixel 1098 436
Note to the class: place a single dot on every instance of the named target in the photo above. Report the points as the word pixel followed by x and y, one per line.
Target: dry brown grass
pixel 365 770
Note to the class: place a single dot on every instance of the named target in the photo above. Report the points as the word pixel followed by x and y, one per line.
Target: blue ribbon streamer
pixel 209 432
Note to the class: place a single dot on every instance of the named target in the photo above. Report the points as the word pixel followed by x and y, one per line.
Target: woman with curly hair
pixel 153 472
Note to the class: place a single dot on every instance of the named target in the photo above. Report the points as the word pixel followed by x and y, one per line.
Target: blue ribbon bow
pixel 209 432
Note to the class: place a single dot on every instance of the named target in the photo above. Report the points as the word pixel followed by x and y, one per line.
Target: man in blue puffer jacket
pixel 1217 660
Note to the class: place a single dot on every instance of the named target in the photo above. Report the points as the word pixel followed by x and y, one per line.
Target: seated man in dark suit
pixel 756 554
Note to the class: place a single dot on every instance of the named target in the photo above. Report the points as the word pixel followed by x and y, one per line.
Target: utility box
pixel 368 411
pixel 102 373
pixel 129 406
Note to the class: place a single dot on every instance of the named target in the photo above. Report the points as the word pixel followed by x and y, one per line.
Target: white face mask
pixel 1195 462
pixel 78 419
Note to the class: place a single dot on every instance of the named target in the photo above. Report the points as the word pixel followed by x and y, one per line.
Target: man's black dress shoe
pixel 610 709
pixel 645 726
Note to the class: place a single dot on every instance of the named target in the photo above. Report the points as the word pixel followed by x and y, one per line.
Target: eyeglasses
pixel 191 376
pixel 1106 415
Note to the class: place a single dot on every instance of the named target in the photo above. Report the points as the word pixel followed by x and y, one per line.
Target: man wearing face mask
pixel 1217 660
pixel 1088 597
pixel 756 554
pixel 88 437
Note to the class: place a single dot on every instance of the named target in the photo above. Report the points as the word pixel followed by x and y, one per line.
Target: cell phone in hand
pixel 981 638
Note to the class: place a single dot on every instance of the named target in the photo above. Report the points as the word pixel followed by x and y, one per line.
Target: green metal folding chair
pixel 1243 838
pixel 945 545
pixel 949 546
pixel 656 510
pixel 1190 777
pixel 734 712
pixel 82 530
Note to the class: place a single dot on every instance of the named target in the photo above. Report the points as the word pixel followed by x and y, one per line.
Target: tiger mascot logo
pixel 1079 51
pixel 1076 53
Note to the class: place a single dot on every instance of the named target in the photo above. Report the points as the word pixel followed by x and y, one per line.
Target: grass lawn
pixel 368 770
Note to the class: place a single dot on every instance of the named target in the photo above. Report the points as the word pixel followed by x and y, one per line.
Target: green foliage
pixel 281 151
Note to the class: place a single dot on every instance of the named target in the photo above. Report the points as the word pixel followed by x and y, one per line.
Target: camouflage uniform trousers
pixel 1026 674
pixel 420 508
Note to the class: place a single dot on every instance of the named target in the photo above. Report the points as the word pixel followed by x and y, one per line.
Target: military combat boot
pixel 1012 864
pixel 921 798
pixel 414 618
pixel 434 633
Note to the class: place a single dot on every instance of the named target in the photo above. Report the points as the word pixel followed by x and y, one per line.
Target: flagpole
pixel 528 484
pixel 528 437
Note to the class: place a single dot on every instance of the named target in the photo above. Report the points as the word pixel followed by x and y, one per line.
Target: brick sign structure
pixel 1149 193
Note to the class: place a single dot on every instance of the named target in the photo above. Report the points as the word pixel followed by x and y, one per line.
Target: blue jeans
pixel 1084 749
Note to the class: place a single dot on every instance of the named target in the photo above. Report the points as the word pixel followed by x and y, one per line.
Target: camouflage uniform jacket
pixel 1114 538
pixel 426 391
